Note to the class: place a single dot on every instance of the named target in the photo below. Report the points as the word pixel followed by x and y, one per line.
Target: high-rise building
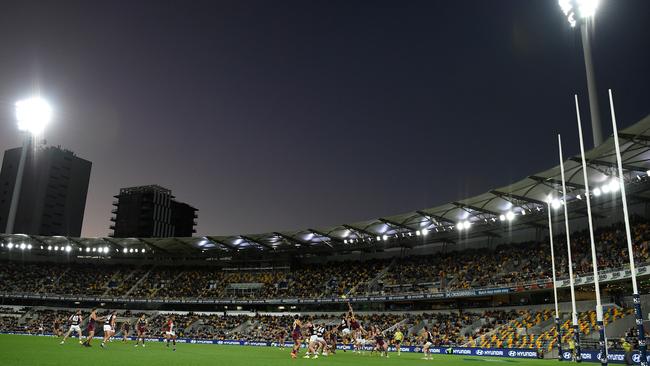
pixel 53 194
pixel 151 212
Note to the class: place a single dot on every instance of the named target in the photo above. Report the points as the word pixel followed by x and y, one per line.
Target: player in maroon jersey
pixel 355 326
pixel 170 332
pixel 126 328
pixel 92 323
pixel 282 335
pixel 296 335
pixel 141 329
pixel 380 344
pixel 56 327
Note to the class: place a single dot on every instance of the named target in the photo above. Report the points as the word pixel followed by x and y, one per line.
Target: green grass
pixel 18 350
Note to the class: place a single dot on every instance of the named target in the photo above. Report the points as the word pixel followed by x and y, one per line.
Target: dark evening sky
pixel 274 115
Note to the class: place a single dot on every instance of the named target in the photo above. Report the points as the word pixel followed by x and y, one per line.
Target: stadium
pixel 553 267
pixel 475 272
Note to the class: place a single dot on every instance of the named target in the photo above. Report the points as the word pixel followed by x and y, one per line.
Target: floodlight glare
pixel 68 248
pixel 23 246
pixel 143 250
pixel 385 237
pixel 614 186
pixel 502 217
pixel 29 246
pixel 556 204
pixel 597 192
pixel 10 245
pixel 125 250
pixel 510 216
pixel 579 9
pixel 418 233
pixel 33 115
pixel 425 232
pixel 87 249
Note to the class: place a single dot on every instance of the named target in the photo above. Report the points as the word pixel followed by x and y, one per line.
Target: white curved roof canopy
pixel 525 199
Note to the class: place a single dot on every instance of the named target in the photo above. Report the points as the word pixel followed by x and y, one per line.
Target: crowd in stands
pixel 510 264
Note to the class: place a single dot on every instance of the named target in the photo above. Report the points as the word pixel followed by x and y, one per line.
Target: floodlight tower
pixel 579 14
pixel 32 115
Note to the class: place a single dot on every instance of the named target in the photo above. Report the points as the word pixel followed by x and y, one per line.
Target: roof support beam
pixel 251 240
pixel 517 197
pixel 290 238
pixel 222 242
pixel 359 230
pixel 322 234
pixel 611 164
pixel 556 181
pixel 149 242
pixel 432 217
pixel 474 208
pixel 395 224
pixel 629 136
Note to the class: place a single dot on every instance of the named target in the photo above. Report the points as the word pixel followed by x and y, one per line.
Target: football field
pixel 16 350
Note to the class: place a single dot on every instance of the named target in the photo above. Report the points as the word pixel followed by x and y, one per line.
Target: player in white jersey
pixel 75 326
pixel 428 342
pixel 109 327
pixel 317 342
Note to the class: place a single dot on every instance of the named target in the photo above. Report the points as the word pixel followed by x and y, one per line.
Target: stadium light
pixel 143 250
pixel 49 247
pixel 578 13
pixel 605 188
pixel 87 249
pixel 510 215
pixel 425 232
pixel 502 217
pixel 614 185
pixel 125 250
pixel 597 192
pixel 418 233
pixel 10 245
pixel 647 173
pixel 29 246
pixel 68 248
pixel 578 9
pixel 33 115
pixel 385 237
pixel 22 246
pixel 556 203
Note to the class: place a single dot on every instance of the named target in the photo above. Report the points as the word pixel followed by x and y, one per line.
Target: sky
pixel 281 115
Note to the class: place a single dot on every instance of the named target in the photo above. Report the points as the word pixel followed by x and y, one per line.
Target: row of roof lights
pixel 68 248
pixel 423 232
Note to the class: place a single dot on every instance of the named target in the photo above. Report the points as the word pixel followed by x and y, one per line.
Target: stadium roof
pixel 521 204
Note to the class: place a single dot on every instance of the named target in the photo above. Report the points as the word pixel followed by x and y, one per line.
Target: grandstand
pixel 475 272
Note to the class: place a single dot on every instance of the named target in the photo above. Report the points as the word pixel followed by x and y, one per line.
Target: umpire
pixel 627 347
